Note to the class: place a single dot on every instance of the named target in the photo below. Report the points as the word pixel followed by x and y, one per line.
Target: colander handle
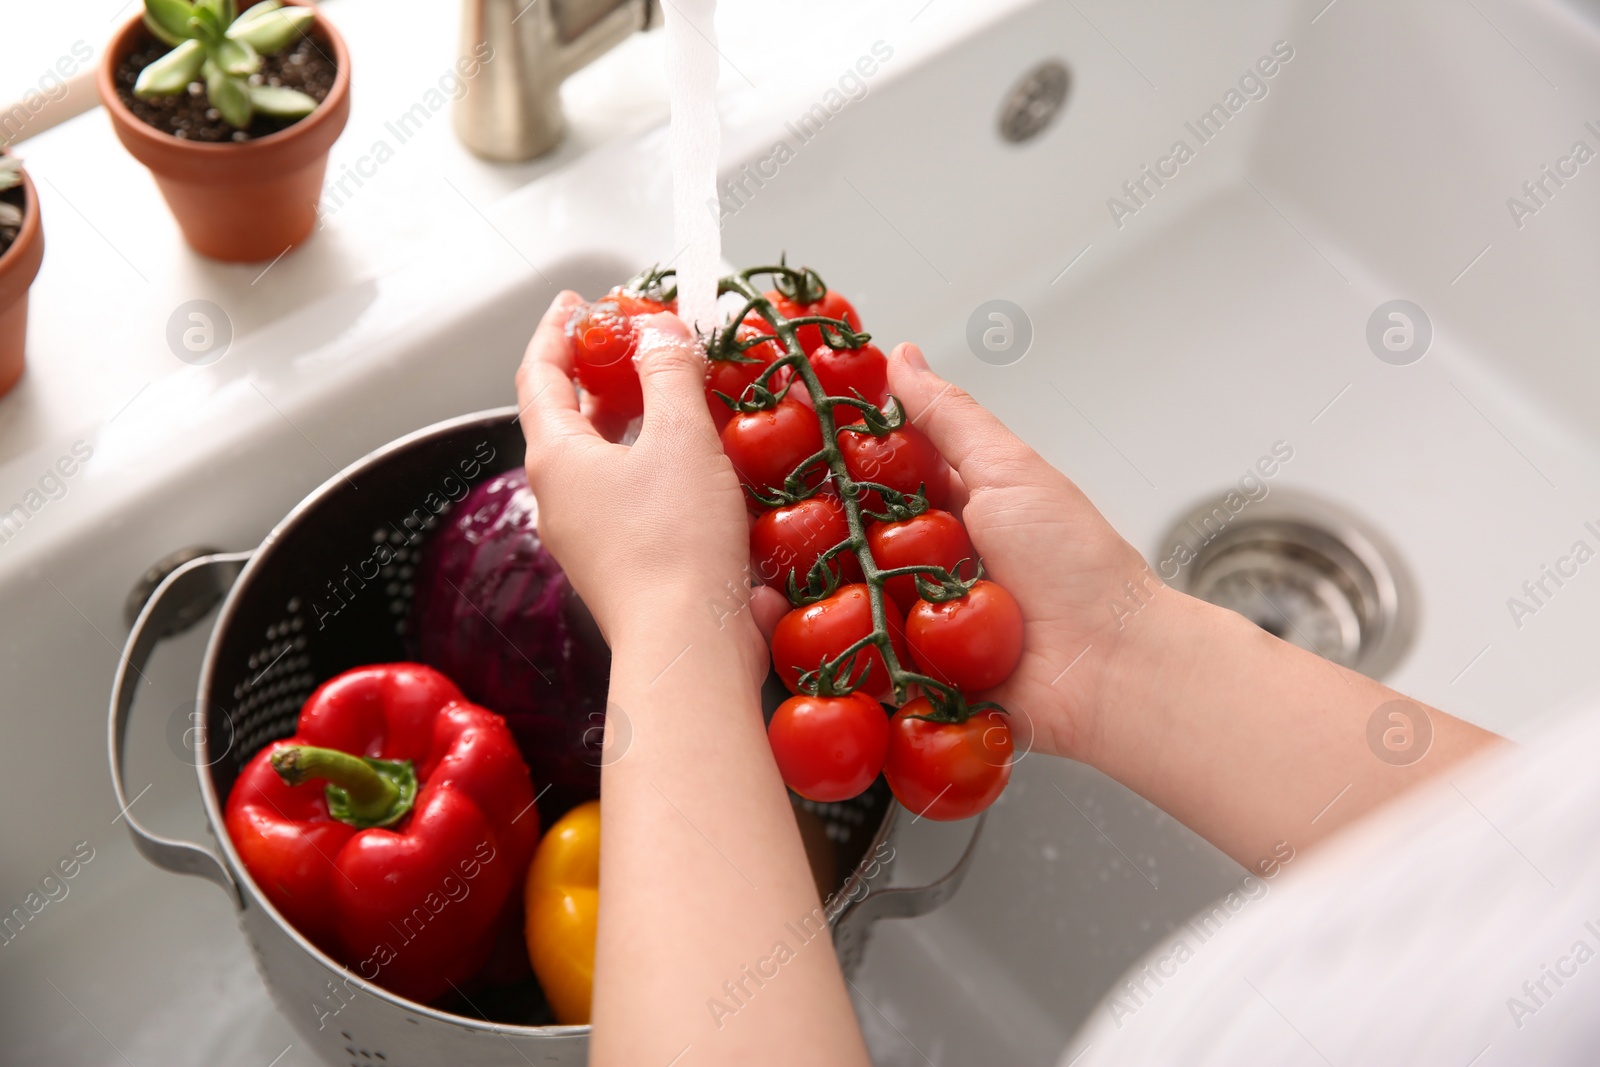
pixel 907 902
pixel 161 615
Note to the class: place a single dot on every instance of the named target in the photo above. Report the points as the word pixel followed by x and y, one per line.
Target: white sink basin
pixel 1226 314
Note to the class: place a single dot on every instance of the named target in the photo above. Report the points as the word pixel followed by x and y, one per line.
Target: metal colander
pixel 313 601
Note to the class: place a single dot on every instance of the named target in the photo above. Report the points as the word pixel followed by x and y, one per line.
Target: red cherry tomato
pixel 902 459
pixel 611 423
pixel 935 538
pixel 832 306
pixel 637 304
pixel 806 636
pixel 947 771
pixel 829 748
pixel 731 378
pixel 766 446
pixel 604 339
pixel 972 642
pixel 847 371
pixel 792 537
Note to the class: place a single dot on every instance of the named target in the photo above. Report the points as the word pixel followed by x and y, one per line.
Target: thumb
pixel 768 606
pixel 672 373
pixel 984 453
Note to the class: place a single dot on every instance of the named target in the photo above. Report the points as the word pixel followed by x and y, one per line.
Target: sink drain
pixel 1302 570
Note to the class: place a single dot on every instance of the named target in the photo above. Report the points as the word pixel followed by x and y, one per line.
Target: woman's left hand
pixel 648 527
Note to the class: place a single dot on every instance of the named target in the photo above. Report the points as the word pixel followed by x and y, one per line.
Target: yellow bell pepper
pixel 562 899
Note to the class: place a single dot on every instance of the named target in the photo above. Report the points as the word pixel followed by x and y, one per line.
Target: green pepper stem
pixel 362 792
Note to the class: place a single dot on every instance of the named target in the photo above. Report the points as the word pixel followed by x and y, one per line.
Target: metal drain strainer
pixel 1301 569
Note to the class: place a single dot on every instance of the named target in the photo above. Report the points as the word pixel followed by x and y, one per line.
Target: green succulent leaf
pixel 221 9
pixel 205 25
pixel 159 32
pixel 173 72
pixel 281 103
pixel 274 31
pixel 168 19
pixel 10 172
pixel 235 57
pixel 230 95
pixel 266 7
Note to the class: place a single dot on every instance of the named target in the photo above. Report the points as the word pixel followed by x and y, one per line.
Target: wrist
pixel 717 631
pixel 1151 653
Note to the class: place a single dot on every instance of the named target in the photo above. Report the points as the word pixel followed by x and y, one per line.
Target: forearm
pixel 1250 741
pixel 703 875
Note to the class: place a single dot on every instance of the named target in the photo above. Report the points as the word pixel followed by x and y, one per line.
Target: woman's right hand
pixel 1244 738
pixel 1041 539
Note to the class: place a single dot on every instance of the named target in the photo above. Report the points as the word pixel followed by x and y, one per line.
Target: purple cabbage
pixel 494 612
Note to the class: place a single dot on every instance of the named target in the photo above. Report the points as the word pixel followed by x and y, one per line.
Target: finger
pixel 672 373
pixel 956 495
pixel 767 605
pixel 547 401
pixel 983 452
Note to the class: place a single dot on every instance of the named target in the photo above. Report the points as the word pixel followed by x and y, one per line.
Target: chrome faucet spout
pixel 523 50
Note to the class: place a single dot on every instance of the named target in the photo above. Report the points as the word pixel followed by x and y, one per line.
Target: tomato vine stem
pixel 804 286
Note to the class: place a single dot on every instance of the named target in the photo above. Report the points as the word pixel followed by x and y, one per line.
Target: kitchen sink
pixel 1329 282
pixel 1186 327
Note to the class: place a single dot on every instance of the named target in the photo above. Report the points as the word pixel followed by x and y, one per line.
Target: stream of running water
pixel 694 144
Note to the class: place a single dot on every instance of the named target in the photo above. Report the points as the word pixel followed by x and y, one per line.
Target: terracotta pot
pixel 237 201
pixel 18 267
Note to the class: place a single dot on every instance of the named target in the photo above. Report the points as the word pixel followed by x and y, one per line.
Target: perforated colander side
pixel 266 705
pixel 320 598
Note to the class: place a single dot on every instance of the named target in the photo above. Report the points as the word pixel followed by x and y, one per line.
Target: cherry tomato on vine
pixel 934 538
pixel 902 459
pixel 972 642
pixel 829 748
pixel 793 536
pixel 765 446
pixel 611 423
pixel 806 636
pixel 731 378
pixel 946 771
pixel 604 339
pixel 832 306
pixel 847 371
pixel 632 303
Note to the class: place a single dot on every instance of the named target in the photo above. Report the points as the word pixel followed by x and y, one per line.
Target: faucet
pixel 523 50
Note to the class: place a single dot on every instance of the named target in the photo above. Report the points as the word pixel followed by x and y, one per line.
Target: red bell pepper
pixel 393 828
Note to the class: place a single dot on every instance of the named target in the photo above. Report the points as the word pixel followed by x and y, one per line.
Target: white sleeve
pixel 1460 927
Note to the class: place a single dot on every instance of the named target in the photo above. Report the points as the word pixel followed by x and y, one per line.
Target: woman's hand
pixel 1041 539
pixel 1253 743
pixel 702 860
pixel 646 528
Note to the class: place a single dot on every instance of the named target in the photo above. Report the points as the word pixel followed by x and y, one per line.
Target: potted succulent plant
pixel 21 250
pixel 233 107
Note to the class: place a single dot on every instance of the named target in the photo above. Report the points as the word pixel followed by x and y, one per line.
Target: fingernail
pixel 913 356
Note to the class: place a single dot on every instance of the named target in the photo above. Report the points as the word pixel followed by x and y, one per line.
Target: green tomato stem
pixel 850 491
